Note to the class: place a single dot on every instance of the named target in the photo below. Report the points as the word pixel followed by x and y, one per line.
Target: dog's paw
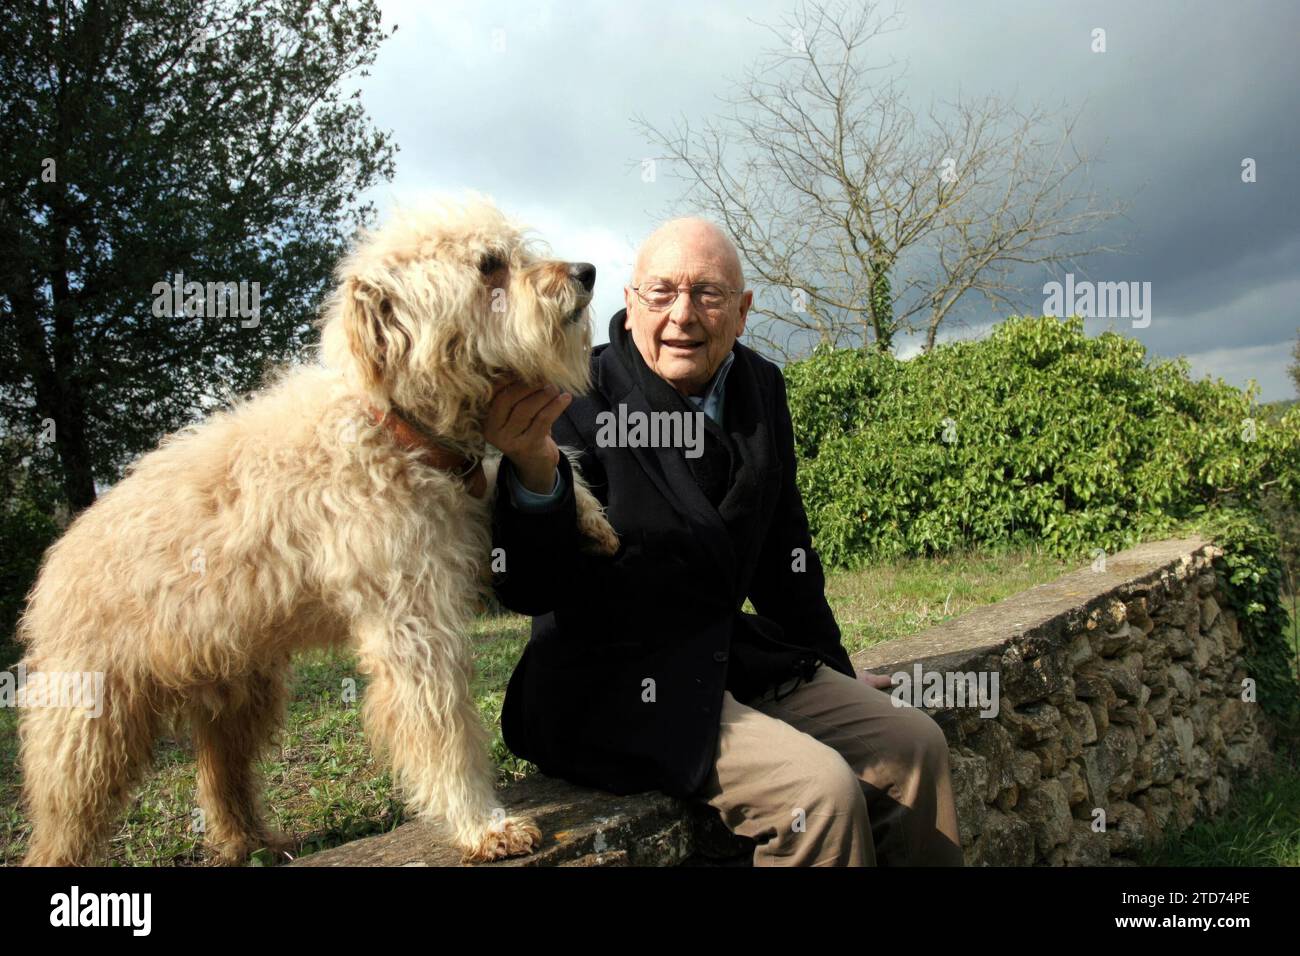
pixel 266 849
pixel 592 524
pixel 513 836
pixel 277 847
pixel 599 537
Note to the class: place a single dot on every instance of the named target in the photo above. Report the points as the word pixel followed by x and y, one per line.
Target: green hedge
pixel 1040 433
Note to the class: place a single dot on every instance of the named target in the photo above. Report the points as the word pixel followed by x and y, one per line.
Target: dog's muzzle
pixel 580 310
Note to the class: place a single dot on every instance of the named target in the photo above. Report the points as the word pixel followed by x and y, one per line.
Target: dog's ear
pixel 368 322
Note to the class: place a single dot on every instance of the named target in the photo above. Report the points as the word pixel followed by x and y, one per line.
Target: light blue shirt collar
pixel 711 401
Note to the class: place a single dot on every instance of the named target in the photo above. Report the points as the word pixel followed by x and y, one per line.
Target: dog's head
pixel 434 308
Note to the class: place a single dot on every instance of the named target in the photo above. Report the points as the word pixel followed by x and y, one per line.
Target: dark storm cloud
pixel 531 103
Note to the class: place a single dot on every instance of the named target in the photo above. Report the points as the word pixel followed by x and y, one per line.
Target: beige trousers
pixel 834 775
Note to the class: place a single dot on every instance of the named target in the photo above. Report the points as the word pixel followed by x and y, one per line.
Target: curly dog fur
pixel 294 521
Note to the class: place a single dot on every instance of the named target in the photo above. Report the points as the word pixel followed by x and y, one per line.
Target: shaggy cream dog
pixel 339 505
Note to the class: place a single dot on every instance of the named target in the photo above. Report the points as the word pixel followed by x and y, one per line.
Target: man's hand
pixel 519 423
pixel 878 681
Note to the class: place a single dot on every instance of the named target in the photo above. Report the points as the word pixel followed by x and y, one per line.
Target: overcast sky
pixel 531 103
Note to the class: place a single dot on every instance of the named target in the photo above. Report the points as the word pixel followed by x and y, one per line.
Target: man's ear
pixel 367 322
pixel 746 301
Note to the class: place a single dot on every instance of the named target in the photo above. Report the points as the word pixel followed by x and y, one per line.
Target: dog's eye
pixel 491 263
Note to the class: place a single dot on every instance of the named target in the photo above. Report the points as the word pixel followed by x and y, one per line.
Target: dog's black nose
pixel 583 273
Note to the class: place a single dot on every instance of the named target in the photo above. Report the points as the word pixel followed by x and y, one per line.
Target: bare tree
pixel 858 222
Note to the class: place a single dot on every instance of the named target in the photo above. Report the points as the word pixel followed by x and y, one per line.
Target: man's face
pixel 685 343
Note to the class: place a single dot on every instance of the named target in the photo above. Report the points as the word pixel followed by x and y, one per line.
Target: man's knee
pixel 926 742
pixel 828 823
pixel 829 791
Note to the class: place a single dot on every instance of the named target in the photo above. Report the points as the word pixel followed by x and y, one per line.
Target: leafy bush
pixel 1041 433
pixel 1037 431
pixel 25 533
pixel 1251 572
pixel 31 517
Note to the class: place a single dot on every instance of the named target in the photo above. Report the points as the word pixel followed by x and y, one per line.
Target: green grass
pixel 323 786
pixel 889 601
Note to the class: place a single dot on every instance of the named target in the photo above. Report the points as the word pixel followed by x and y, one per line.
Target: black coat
pixel 620 686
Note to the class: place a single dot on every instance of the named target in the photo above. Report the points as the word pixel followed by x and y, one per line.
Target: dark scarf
pixel 731 471
pixel 714 470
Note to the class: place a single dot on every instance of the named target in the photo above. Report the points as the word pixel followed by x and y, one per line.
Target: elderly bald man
pixel 642 671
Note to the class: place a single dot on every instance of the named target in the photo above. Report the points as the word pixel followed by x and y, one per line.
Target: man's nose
pixel 584 273
pixel 680 311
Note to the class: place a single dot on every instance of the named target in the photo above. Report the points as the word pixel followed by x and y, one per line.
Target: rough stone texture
pixel 1119 717
pixel 580 827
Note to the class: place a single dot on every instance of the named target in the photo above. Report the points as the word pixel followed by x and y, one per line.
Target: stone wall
pixel 1119 714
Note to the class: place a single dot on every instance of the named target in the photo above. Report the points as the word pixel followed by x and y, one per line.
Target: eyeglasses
pixel 659 296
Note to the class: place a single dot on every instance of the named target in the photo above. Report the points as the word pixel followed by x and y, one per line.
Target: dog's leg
pixel 418 707
pixel 592 524
pixel 232 725
pixel 79 770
